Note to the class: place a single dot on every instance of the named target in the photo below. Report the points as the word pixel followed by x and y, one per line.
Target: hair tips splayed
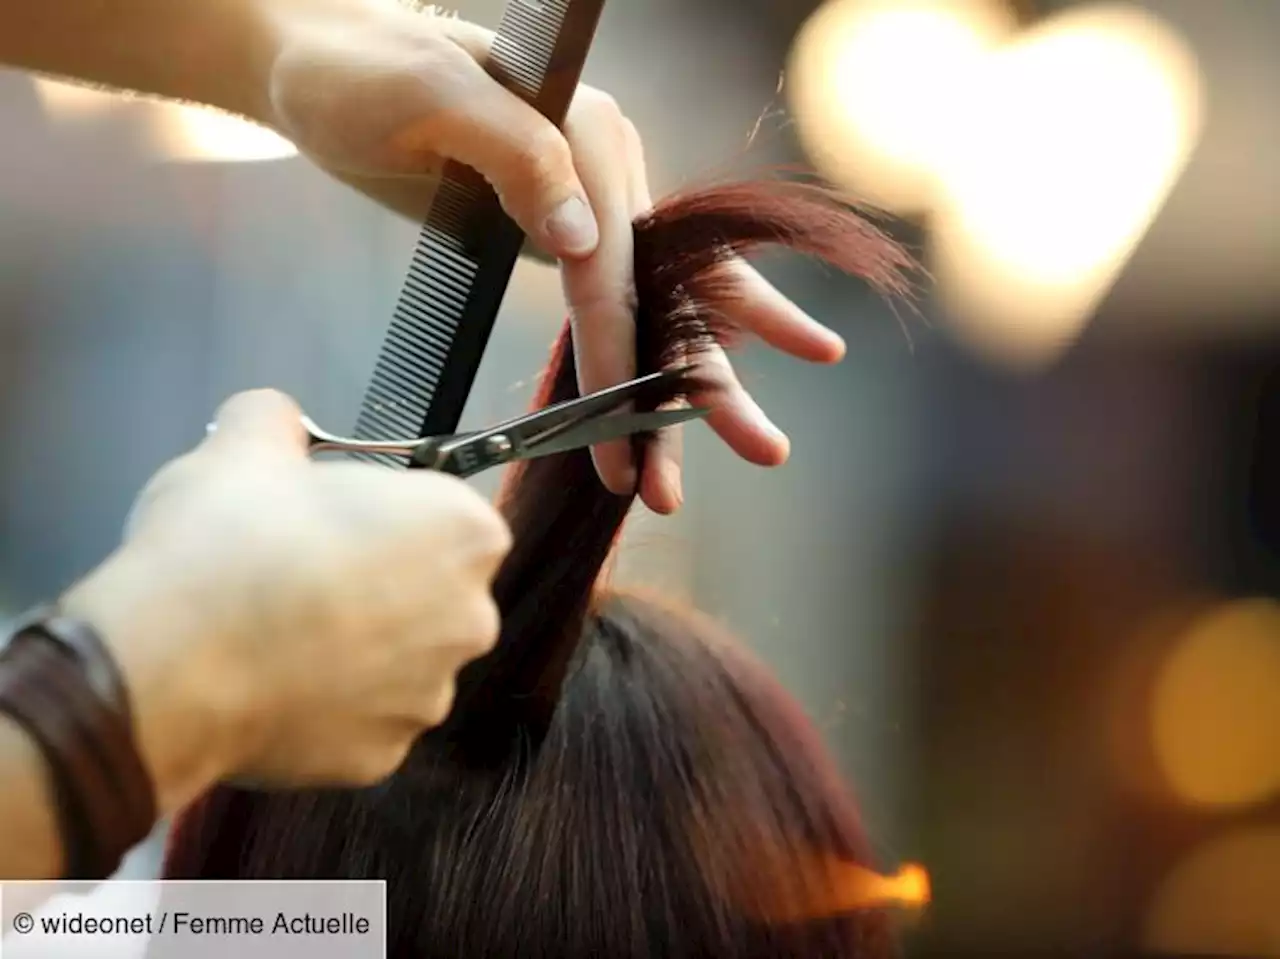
pixel 617 778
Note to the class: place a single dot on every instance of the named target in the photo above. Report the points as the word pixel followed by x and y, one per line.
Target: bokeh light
pixel 73 102
pixel 1224 900
pixel 847 887
pixel 874 83
pixel 193 134
pixel 1077 133
pixel 858 888
pixel 178 132
pixel 1216 708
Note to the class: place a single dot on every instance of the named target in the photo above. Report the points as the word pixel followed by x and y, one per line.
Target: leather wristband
pixel 60 683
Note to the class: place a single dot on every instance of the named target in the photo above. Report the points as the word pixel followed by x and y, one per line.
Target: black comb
pixel 468 248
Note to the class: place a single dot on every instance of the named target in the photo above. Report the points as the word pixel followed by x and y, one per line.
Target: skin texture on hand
pixel 381 95
pixel 309 618
pixel 378 94
pixel 276 620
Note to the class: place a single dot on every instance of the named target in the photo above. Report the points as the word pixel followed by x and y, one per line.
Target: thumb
pixel 519 151
pixel 265 420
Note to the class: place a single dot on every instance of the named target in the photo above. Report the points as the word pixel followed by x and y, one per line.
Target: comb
pixel 468 248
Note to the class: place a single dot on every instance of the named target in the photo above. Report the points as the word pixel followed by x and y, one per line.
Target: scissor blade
pixel 581 409
pixel 608 428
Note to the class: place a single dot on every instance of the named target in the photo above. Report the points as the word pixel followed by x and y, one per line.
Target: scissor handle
pixel 460 456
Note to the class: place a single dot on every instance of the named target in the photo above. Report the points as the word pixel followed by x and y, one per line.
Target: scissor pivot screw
pixel 497 445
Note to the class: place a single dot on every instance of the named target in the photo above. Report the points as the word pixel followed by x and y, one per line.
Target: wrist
pixel 291 26
pixel 192 716
pixel 238 80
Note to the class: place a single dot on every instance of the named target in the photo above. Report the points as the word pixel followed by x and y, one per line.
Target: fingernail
pixel 572 228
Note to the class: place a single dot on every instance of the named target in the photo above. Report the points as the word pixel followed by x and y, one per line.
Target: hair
pixel 618 778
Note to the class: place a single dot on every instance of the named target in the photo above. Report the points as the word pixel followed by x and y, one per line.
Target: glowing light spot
pixel 911 885
pixel 873 84
pixel 835 887
pixel 1216 708
pixel 854 887
pixel 1079 131
pixel 1224 900
pixel 192 134
pixel 70 102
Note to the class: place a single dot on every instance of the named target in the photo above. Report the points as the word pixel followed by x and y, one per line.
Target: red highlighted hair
pixel 617 779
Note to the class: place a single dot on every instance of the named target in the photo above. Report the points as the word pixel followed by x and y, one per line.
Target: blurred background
pixel 1023 565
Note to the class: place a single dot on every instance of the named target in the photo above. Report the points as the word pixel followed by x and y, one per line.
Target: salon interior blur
pixel 1024 564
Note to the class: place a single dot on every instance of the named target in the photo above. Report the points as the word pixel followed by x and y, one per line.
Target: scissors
pixel 573 424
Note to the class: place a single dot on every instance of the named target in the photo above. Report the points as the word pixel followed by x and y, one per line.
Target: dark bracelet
pixel 59 682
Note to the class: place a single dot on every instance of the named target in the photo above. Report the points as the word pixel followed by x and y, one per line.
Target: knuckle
pixel 435 709
pixel 172 474
pixel 491 537
pixel 471 633
pixel 439 494
pixel 601 113
pixel 364 768
pixel 375 765
pixel 486 626
pixel 477 524
pixel 631 136
pixel 169 479
pixel 544 158
pixel 598 107
pixel 263 394
pixel 260 399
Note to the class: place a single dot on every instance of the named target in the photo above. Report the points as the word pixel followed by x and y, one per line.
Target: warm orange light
pixel 1216 708
pixel 1224 900
pixel 855 887
pixel 74 102
pixel 911 885
pixel 192 134
pixel 836 887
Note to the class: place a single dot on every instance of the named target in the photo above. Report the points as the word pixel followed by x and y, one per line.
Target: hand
pixel 313 615
pixel 378 95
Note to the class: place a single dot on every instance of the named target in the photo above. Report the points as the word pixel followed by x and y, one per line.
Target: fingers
pixel 529 165
pixel 521 153
pixel 576 195
pixel 764 311
pixel 660 485
pixel 444 506
pixel 261 420
pixel 434 709
pixel 600 289
pixel 735 416
pixel 476 636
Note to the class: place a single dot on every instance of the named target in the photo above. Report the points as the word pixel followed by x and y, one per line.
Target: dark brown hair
pixel 618 778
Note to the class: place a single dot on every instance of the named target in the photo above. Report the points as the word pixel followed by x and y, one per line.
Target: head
pixel 618 777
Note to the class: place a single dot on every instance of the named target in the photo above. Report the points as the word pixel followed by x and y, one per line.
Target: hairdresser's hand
pixel 379 94
pixel 312 616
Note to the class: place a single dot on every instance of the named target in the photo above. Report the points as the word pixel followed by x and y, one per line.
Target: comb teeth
pixel 468 247
pixel 523 67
